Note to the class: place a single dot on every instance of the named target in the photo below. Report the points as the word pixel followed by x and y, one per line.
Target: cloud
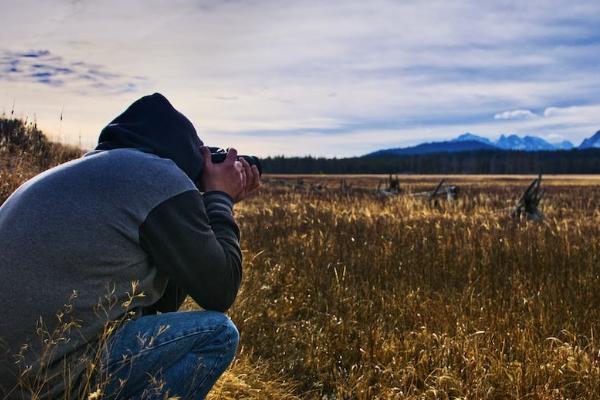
pixel 400 71
pixel 44 68
pixel 554 138
pixel 516 114
pixel 551 112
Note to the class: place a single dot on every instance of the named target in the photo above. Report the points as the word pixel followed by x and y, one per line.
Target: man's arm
pixel 170 301
pixel 193 239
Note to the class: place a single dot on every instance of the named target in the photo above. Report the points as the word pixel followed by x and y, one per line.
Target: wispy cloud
pixel 44 68
pixel 516 114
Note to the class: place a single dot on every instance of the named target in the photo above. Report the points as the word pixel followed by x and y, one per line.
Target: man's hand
pixel 236 178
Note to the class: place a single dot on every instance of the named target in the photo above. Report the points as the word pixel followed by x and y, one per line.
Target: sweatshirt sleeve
pixel 195 241
pixel 172 298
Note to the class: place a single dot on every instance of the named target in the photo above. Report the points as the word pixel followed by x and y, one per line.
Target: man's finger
pixel 253 181
pixel 252 177
pixel 256 174
pixel 248 172
pixel 231 155
pixel 238 165
pixel 206 155
pixel 244 179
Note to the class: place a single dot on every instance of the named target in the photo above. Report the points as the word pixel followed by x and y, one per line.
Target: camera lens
pixel 219 157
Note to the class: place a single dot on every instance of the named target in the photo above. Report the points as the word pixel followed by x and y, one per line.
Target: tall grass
pixel 349 296
pixel 25 151
pixel 354 297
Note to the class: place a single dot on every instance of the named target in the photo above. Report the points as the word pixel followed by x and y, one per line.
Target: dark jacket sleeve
pixel 195 241
pixel 171 300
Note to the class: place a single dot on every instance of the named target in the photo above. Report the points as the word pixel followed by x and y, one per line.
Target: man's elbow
pixel 217 301
pixel 221 294
pixel 217 283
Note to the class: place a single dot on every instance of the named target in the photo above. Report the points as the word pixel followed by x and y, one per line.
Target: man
pixel 92 250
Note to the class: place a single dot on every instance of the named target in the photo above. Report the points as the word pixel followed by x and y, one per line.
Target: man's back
pixel 79 241
pixel 71 235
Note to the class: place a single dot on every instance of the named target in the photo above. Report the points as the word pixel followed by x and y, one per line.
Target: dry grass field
pixel 347 295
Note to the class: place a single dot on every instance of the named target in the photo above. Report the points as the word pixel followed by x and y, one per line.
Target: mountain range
pixel 471 142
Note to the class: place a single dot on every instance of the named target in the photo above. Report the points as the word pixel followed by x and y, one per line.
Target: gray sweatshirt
pixel 77 239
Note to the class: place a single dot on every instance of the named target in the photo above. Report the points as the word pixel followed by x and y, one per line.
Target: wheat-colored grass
pixel 350 296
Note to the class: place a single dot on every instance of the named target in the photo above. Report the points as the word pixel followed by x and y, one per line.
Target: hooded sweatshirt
pixel 121 232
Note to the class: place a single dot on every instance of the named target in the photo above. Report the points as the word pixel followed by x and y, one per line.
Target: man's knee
pixel 232 331
pixel 225 334
pixel 232 336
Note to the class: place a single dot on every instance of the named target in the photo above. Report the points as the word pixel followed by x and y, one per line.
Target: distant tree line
pixel 476 162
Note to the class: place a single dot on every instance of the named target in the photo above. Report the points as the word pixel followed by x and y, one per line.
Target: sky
pixel 278 77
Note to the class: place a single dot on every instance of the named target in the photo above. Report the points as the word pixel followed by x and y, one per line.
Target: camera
pixel 217 155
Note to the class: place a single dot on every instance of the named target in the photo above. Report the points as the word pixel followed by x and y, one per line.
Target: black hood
pixel 152 125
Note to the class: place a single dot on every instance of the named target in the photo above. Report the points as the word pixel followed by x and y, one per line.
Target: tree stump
pixel 528 205
pixel 392 189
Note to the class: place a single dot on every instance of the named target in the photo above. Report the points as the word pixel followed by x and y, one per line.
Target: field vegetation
pixel 350 295
pixel 25 152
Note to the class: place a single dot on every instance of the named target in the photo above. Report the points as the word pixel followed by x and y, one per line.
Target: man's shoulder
pixel 127 156
pixel 137 162
pixel 145 170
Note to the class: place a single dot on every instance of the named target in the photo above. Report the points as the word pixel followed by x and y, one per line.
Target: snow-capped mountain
pixel 436 147
pixel 527 143
pixel 514 142
pixel 564 145
pixel 469 137
pixel 592 142
pixel 471 142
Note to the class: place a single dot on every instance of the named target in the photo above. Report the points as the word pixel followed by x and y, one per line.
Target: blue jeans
pixel 173 354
